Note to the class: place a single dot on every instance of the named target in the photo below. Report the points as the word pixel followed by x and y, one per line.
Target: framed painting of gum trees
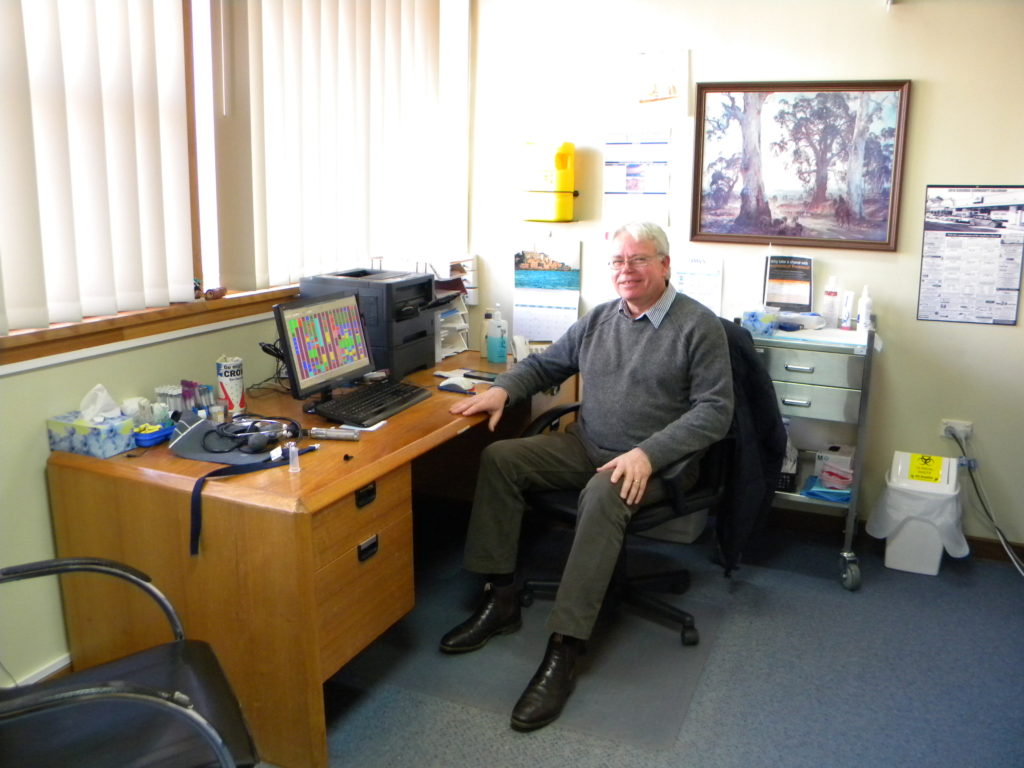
pixel 810 163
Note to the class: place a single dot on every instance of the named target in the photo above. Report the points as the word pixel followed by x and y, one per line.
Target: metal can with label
pixel 230 384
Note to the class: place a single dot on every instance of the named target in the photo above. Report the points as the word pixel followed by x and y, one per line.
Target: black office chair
pixel 170 705
pixel 636 589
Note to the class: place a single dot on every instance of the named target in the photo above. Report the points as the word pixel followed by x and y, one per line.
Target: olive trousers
pixel 548 462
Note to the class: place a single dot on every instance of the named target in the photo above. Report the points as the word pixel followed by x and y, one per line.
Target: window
pixel 328 134
pixel 94 198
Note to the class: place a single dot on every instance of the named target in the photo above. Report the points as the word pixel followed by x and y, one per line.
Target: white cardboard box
pixel 838 455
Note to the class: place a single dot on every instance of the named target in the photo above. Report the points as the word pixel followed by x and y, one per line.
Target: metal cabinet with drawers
pixel 822 385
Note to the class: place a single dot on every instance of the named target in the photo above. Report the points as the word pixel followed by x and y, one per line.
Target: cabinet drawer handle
pixel 368 548
pixel 797 403
pixel 799 368
pixel 366 495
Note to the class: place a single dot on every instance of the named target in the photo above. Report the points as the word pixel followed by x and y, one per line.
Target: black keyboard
pixel 372 403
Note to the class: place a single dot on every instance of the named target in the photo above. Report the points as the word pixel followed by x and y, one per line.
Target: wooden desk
pixel 278 588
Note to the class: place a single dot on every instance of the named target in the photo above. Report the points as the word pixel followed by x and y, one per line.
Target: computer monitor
pixel 324 343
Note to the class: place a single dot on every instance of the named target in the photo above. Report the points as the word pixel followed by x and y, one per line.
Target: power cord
pixel 971 465
pixel 7 672
pixel 280 375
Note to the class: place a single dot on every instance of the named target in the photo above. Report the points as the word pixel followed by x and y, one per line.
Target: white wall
pixel 552 70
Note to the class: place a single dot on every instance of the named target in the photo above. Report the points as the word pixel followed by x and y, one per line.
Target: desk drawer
pixel 825 403
pixel 362 593
pixel 830 369
pixel 342 525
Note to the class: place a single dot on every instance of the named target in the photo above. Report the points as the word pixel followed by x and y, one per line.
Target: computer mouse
pixel 457 384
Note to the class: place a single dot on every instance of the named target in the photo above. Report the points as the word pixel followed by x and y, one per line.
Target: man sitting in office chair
pixel 657 392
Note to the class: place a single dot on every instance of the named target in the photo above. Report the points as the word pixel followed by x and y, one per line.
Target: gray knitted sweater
pixel 666 390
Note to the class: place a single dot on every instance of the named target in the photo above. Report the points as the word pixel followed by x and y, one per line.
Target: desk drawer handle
pixel 369 548
pixel 799 368
pixel 797 403
pixel 366 495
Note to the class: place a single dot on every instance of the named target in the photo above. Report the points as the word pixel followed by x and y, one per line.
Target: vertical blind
pixel 356 146
pixel 360 133
pixel 95 215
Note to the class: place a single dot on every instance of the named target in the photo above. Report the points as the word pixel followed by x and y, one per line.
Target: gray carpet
pixel 910 672
pixel 636 678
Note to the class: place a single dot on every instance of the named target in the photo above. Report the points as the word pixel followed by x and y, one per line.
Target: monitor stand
pixel 310 405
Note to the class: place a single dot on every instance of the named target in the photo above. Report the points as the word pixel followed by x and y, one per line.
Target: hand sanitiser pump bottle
pixel 497 338
pixel 830 306
pixel 864 309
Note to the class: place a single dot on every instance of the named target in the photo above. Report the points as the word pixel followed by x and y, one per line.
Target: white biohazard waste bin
pixel 919 513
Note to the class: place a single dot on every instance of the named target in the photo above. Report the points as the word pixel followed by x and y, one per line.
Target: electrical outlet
pixel 962 429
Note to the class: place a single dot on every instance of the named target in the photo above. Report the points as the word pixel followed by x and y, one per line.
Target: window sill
pixel 62 338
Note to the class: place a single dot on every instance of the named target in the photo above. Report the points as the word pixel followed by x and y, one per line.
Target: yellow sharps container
pixel 551 184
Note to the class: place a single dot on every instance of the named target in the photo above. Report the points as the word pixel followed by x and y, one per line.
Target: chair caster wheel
pixel 526 599
pixel 690 636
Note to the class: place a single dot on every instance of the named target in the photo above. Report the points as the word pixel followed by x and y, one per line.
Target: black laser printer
pixel 395 309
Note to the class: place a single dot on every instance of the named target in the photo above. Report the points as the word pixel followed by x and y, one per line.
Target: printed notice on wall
pixel 787 282
pixel 972 254
pixel 700 278
pixel 636 177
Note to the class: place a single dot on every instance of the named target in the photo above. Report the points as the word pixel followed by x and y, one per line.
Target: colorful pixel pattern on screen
pixel 326 341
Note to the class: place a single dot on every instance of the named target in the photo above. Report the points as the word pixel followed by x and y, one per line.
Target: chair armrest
pixel 549 419
pixel 59 565
pixel 173 703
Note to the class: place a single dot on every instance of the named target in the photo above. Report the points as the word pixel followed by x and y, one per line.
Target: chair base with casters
pixel 170 705
pixel 636 590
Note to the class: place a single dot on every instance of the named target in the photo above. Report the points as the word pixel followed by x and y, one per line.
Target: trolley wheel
pixel 690 636
pixel 851 576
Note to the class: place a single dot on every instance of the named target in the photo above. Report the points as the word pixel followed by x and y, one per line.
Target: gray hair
pixel 644 231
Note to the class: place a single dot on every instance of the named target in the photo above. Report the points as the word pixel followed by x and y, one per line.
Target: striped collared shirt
pixel 656 313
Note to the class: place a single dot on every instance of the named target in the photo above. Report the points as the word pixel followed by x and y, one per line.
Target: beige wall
pixel 551 71
pixel 30 397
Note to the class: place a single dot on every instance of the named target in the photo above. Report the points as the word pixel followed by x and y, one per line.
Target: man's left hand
pixel 634 469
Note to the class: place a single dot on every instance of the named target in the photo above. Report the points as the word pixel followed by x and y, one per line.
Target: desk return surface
pixel 297 572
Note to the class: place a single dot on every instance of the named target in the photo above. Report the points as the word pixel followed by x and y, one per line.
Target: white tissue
pixel 133 406
pixel 99 405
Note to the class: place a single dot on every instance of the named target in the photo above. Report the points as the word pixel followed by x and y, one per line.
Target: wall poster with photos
pixel 971 254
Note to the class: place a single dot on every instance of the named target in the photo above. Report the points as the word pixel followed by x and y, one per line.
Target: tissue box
pixel 102 439
pixel 837 455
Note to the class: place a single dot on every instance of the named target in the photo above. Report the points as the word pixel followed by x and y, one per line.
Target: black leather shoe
pixel 497 614
pixel 544 698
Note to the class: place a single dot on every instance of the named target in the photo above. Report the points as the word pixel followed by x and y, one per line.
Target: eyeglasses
pixel 618 263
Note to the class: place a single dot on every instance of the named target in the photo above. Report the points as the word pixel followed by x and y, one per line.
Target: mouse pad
pixel 635 682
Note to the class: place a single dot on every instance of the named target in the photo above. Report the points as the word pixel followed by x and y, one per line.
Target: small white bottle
pixel 483 337
pixel 864 308
pixel 830 304
pixel 497 338
pixel 846 312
